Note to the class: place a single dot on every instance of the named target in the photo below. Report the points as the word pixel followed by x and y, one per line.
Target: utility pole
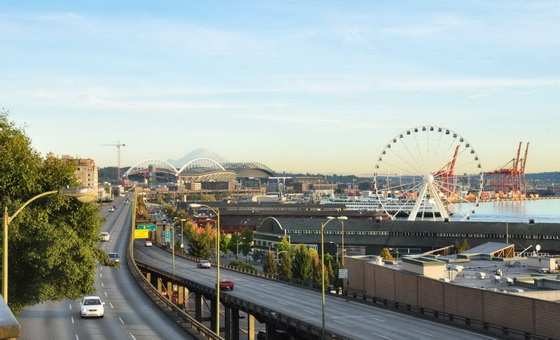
pixel 118 145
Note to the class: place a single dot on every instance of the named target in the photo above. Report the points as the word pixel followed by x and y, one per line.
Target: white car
pixel 148 243
pixel 204 264
pixel 104 236
pixel 91 306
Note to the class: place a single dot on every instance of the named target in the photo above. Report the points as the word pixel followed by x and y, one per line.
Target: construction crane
pixel 510 178
pixel 118 145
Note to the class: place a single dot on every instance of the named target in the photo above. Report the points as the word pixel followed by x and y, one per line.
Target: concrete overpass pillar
pixel 198 305
pixel 228 323
pixel 251 326
pixel 235 324
pixel 159 285
pixel 169 290
pixel 181 296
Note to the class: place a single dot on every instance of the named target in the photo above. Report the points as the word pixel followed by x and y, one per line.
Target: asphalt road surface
pixel 129 313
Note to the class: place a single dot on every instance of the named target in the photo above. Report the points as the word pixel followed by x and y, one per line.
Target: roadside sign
pixel 343 273
pixel 168 236
pixel 141 233
pixel 147 227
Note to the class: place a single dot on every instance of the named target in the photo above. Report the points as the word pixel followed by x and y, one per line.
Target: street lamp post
pixel 83 194
pixel 217 212
pixel 182 233
pixel 342 219
pixel 330 218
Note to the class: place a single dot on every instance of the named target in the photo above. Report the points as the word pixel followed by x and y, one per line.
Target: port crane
pixel 118 145
pixel 510 178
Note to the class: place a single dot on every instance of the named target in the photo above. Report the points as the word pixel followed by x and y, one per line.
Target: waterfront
pixel 541 211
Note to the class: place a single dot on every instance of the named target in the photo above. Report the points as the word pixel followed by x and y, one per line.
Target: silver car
pixel 91 306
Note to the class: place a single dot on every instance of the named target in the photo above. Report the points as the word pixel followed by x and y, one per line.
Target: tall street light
pixel 83 194
pixel 182 234
pixel 217 212
pixel 323 225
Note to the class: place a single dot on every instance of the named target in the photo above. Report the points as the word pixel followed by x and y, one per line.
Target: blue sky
pixel 301 86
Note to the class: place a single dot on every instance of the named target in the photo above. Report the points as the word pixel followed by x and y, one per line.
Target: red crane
pixel 509 180
pixel 445 176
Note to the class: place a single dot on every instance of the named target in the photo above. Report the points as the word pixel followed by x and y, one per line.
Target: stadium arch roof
pixel 205 170
pixel 143 166
pixel 250 169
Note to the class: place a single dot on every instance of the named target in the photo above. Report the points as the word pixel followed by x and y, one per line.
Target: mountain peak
pixel 197 153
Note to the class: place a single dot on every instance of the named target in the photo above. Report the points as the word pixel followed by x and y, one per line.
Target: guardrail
pixel 150 290
pixel 263 314
pixel 508 332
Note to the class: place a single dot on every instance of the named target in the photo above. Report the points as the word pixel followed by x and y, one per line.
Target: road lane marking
pixel 121 320
pixel 376 319
pixel 308 311
pixel 102 285
pixel 100 275
pixel 342 309
pixel 72 319
pixel 379 335
pixel 70 306
pixel 77 337
pixel 110 304
pixel 132 336
pixel 422 332
pixel 282 303
pixel 345 324
pixel 105 294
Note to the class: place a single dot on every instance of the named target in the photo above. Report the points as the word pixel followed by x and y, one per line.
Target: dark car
pixel 114 257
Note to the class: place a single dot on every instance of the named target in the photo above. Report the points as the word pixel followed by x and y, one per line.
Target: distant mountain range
pixel 197 153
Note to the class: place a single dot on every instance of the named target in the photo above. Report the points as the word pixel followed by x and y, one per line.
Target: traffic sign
pixel 147 227
pixel 141 233
pixel 168 236
pixel 342 273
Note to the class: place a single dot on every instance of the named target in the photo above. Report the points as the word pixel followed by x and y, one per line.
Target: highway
pixel 129 313
pixel 350 319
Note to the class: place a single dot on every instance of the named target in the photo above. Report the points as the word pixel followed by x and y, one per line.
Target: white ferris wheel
pixel 428 173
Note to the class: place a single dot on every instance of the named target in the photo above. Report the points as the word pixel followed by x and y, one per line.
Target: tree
pixel 386 255
pixel 246 243
pixel 201 240
pixel 269 265
pixel 464 247
pixel 302 266
pixel 233 245
pixel 53 243
pixel 285 268
pixel 284 245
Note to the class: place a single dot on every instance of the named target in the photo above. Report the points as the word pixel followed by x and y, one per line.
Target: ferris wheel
pixel 428 173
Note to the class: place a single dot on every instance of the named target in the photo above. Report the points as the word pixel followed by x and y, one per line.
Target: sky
pixel 300 86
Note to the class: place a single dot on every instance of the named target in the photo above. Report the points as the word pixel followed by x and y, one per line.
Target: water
pixel 542 211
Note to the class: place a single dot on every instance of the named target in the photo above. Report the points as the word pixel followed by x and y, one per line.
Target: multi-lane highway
pixel 347 318
pixel 129 313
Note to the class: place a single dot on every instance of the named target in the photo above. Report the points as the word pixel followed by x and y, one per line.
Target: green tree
pixel 201 240
pixel 269 265
pixel 285 268
pixel 464 247
pixel 234 244
pixel 284 245
pixel 225 239
pixel 53 242
pixel 386 254
pixel 302 266
pixel 329 267
pixel 246 243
